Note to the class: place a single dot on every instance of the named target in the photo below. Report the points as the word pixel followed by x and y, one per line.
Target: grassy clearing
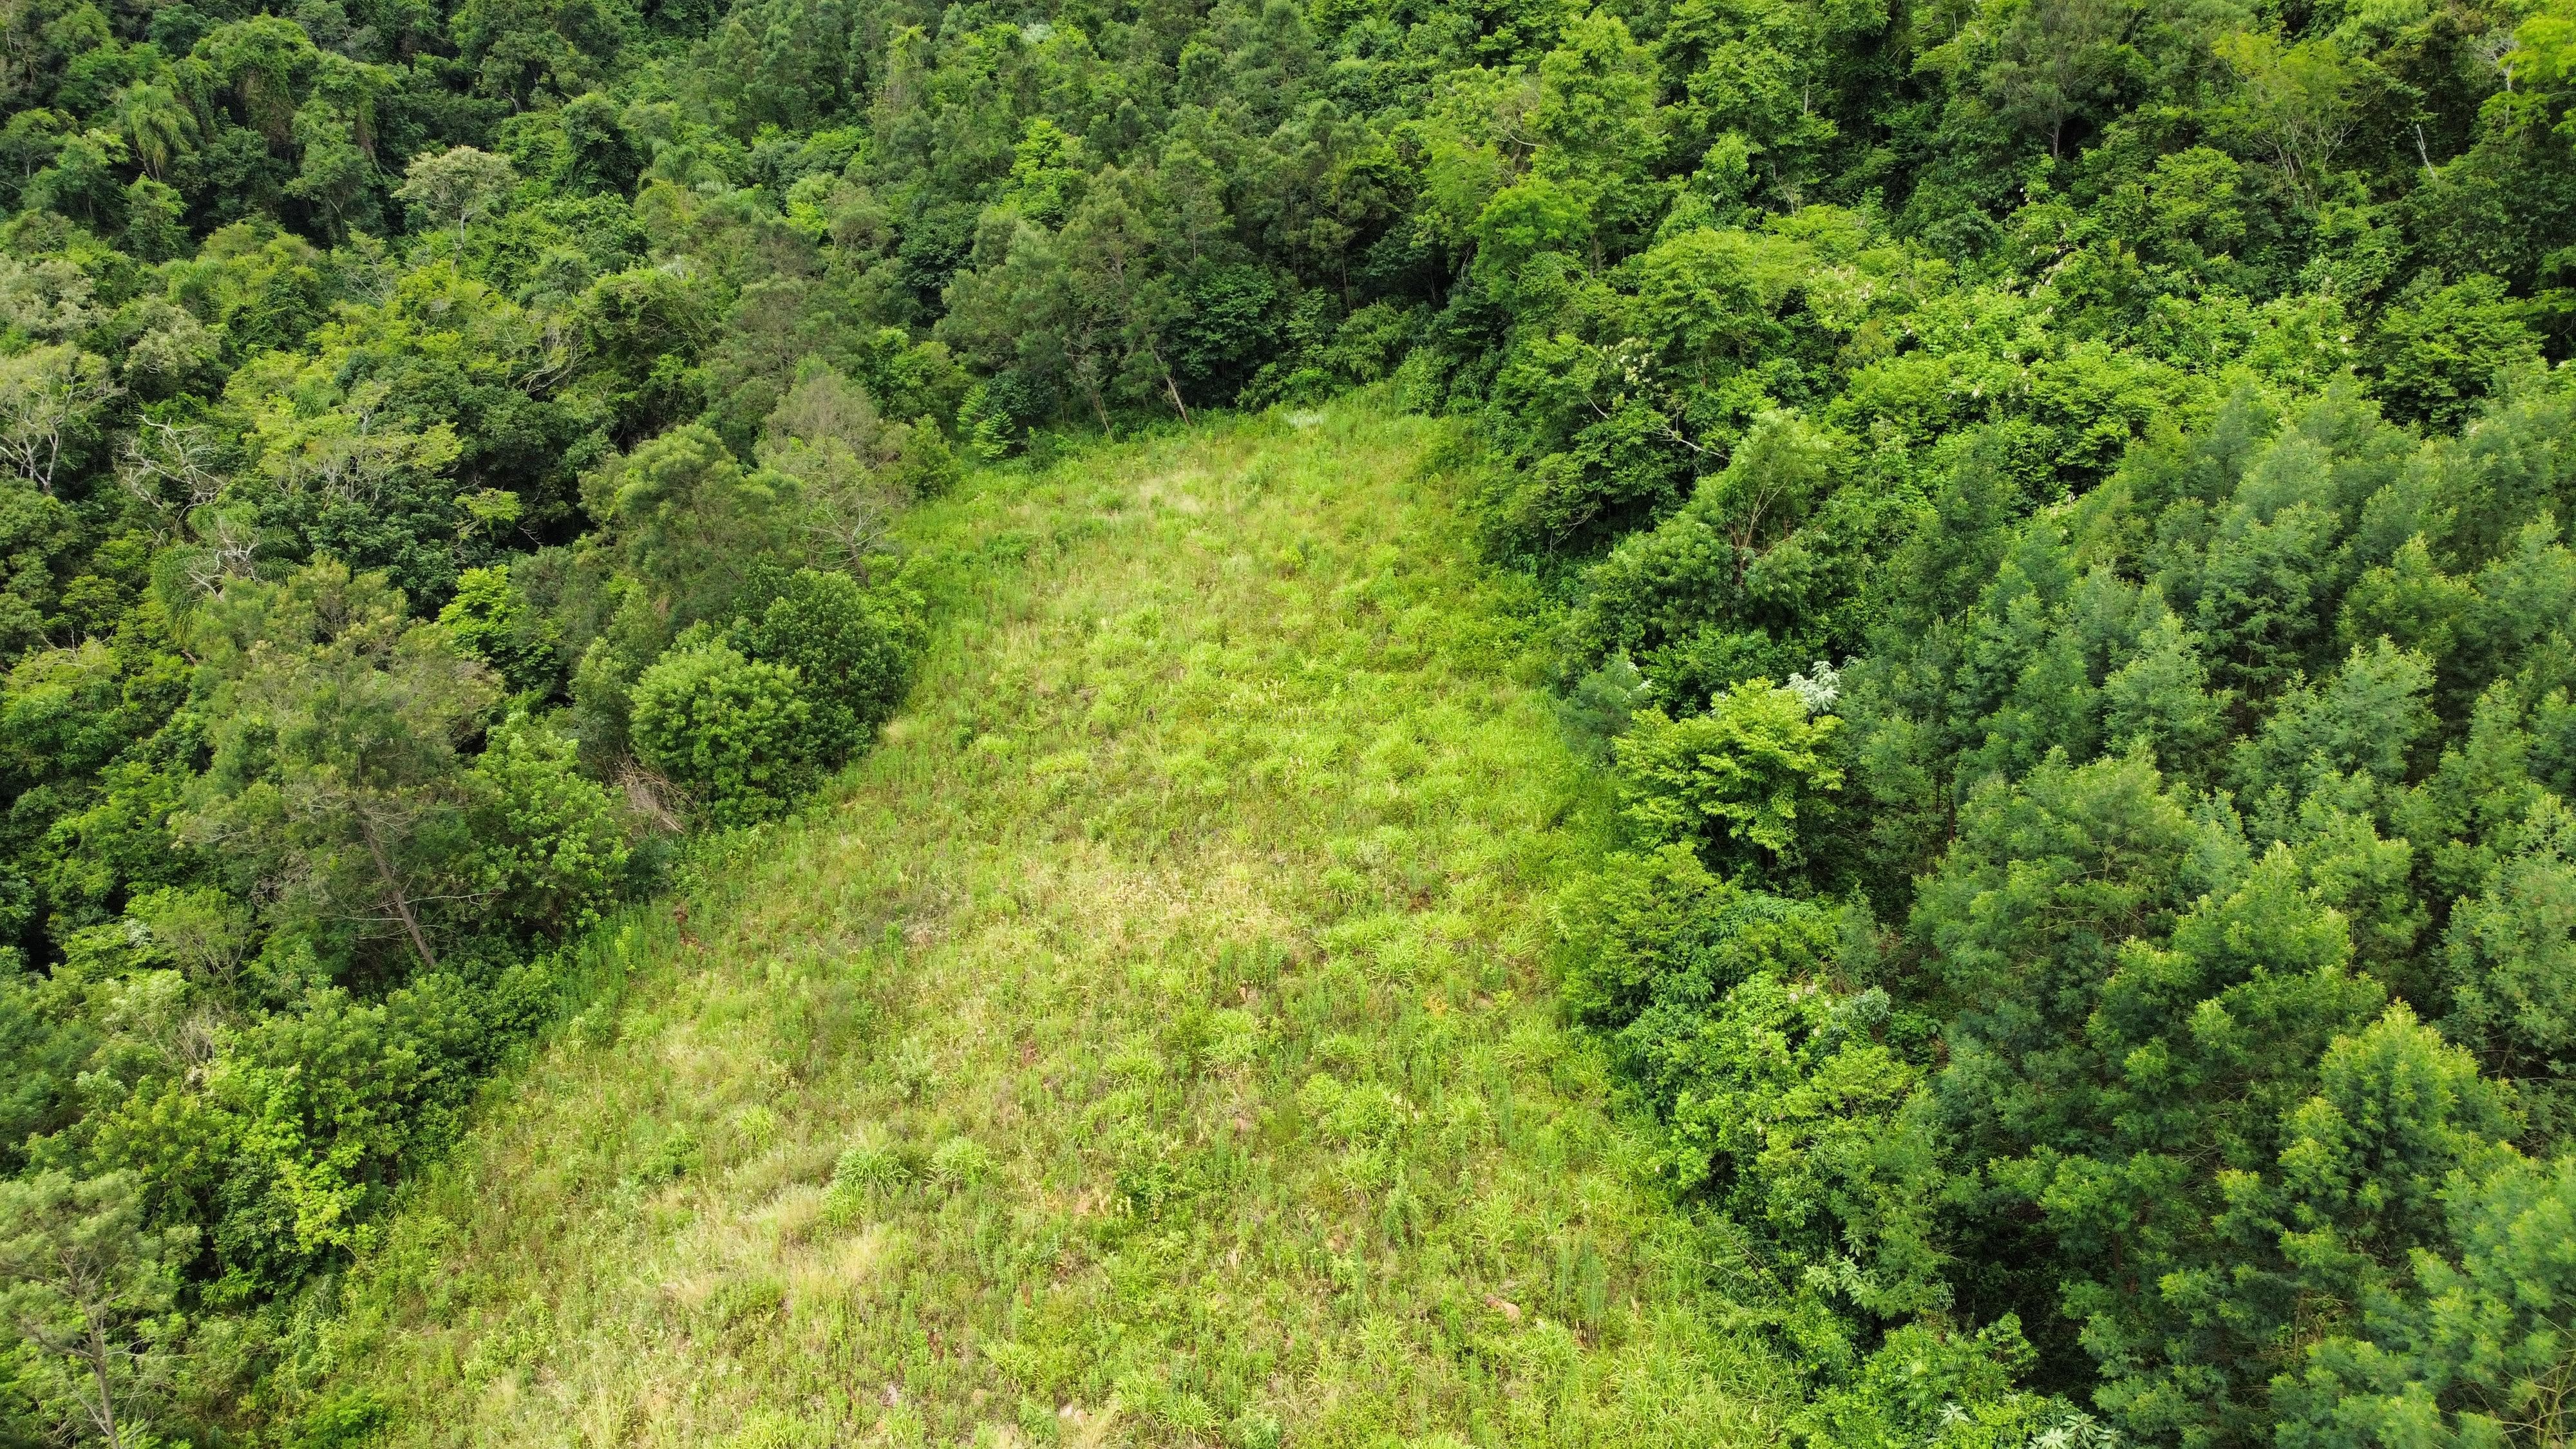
pixel 1149 1045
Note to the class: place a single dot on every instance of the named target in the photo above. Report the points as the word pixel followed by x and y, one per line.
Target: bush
pixel 1643 921
pixel 869 1165
pixel 1933 1387
pixel 736 733
pixel 603 682
pixel 553 851
pixel 852 651
pixel 1733 780
pixel 343 1422
pixel 1788 1097
pixel 491 619
pixel 925 466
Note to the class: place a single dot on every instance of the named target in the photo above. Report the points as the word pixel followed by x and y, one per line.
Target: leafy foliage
pixel 2225 859
pixel 736 732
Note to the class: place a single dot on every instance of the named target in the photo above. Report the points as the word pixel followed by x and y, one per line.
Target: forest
pixel 2047 515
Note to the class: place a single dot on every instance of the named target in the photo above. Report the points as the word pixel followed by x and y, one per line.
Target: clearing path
pixel 1150 1044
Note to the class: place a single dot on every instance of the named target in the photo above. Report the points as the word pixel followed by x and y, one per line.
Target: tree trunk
pixel 394 892
pixel 1099 404
pixel 1169 386
pixel 97 1357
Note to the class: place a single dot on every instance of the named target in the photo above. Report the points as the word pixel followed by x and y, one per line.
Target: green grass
pixel 1150 1043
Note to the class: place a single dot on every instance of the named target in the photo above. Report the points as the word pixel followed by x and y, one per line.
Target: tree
pixel 852 652
pixel 2161 696
pixel 735 732
pixel 1596 100
pixel 156 123
pixel 848 462
pixel 199 929
pixel 521 47
pixel 2061 59
pixel 352 453
pixel 1784 465
pixel 1599 129
pixel 336 175
pixel 90 1293
pixel 2399 1118
pixel 48 396
pixel 688 521
pixel 2479 1348
pixel 1120 276
pixel 1735 779
pixel 264 61
pixel 850 508
pixel 548 842
pixel 2436 355
pixel 492 620
pixel 1937 1387
pixel 1642 922
pixel 826 407
pixel 2293 103
pixel 336 723
pixel 2510 955
pixel 458 185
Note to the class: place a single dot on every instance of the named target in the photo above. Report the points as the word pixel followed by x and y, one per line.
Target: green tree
pixel 336 724
pixel 91 1294
pixel 1642 922
pixel 1735 780
pixel 2478 1348
pixel 2437 354
pixel 552 851
pixel 2510 955
pixel 2061 61
pixel 852 652
pixel 157 124
pixel 689 521
pixel 1597 125
pixel 2293 105
pixel 492 620
pixel 1934 1385
pixel 2161 696
pixel 736 733
pixel 457 186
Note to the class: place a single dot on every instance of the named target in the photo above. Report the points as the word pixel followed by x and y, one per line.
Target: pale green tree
pixel 335 724
pixel 458 186
pixel 90 1294
pixel 49 397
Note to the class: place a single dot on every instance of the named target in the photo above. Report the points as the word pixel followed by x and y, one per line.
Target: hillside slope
pixel 1149 1045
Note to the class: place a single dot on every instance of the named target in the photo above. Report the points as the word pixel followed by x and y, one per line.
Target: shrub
pixel 491 619
pixel 552 849
pixel 925 466
pixel 675 1157
pixel 1660 929
pixel 1733 780
pixel 1931 1386
pixel 344 1421
pixel 852 651
pixel 960 1162
pixel 1643 919
pixel 736 733
pixel 869 1165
